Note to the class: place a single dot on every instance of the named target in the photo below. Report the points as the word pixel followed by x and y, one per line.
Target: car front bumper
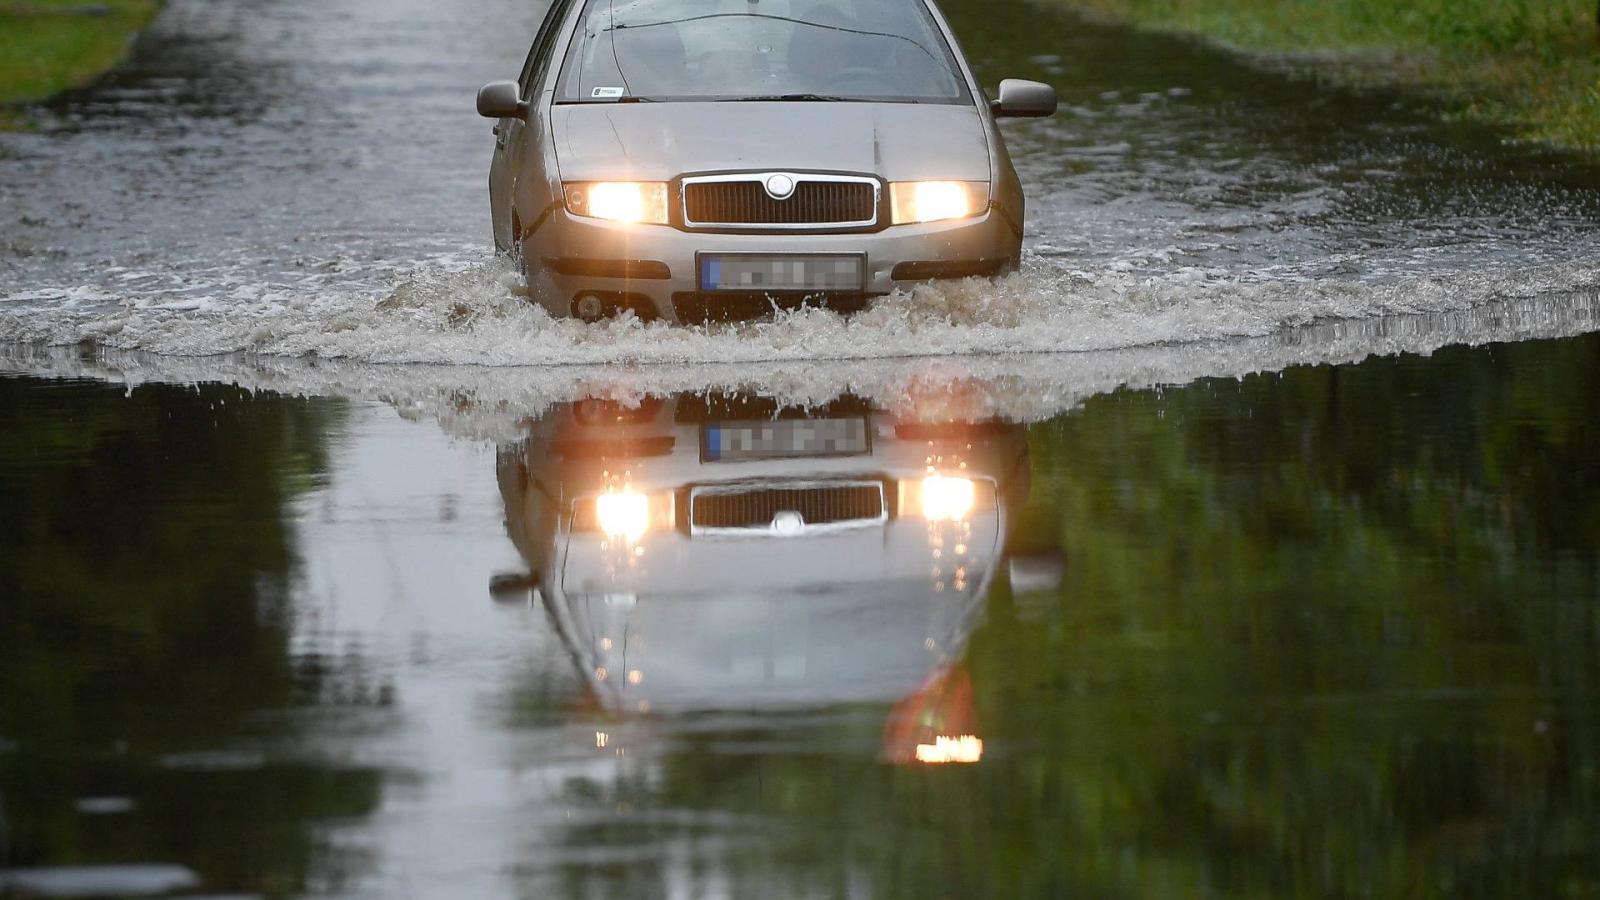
pixel 656 265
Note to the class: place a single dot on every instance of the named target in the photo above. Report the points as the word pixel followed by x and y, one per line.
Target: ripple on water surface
pixel 477 315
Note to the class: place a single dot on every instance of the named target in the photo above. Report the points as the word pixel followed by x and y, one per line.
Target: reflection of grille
pixel 756 508
pixel 824 203
pixel 723 306
pixel 720 406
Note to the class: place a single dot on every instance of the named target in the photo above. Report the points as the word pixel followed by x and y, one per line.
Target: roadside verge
pixel 50 46
pixel 1532 66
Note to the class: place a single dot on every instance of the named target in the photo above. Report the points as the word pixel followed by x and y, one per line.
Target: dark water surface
pixel 1325 632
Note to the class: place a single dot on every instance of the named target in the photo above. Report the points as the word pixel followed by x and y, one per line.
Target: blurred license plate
pixel 809 272
pixel 776 440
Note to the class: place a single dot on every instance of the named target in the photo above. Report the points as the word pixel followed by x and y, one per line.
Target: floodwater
pixel 331 568
pixel 298 180
pixel 1324 632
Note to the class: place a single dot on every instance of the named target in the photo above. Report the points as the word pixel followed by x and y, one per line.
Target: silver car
pixel 704 159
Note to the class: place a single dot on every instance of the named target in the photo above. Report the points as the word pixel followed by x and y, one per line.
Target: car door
pixel 511 136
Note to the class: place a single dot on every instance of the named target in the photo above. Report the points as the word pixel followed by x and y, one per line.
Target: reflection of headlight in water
pixel 963 749
pixel 947 498
pixel 625 515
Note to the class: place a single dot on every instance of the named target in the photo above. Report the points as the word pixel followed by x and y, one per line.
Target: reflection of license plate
pixel 724 441
pixel 809 272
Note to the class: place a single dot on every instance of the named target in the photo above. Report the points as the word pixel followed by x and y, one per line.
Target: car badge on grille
pixel 780 187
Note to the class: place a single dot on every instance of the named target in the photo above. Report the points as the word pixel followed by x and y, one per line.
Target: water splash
pixel 492 401
pixel 477 315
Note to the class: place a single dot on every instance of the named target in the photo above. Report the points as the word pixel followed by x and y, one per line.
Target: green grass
pixel 1533 65
pixel 48 46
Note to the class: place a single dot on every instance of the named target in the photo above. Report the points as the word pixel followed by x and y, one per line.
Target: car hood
pixel 661 141
pixel 873 642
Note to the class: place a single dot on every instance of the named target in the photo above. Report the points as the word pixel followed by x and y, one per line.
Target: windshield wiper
pixel 793 98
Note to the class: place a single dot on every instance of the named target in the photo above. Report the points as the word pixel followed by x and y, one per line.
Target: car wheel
pixel 517 259
pixel 522 266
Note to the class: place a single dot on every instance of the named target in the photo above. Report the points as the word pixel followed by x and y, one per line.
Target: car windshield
pixel 867 50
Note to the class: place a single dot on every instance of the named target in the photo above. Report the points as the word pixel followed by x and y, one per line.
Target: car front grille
pixel 814 204
pixel 755 508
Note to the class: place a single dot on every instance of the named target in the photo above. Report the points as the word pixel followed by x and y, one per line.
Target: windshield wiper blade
pixel 792 98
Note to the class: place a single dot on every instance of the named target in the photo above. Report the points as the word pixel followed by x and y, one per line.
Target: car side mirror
pixel 513 587
pixel 1024 100
pixel 501 100
pixel 1037 572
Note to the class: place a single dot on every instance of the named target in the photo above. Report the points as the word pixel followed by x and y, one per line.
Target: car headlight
pixel 619 201
pixel 935 201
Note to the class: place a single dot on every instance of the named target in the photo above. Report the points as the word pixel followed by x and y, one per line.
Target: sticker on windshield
pixel 607 93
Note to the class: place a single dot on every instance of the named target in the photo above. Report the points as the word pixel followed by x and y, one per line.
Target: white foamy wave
pixel 494 403
pixel 478 317
pixel 86 295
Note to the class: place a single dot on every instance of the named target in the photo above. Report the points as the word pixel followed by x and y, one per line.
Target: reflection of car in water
pixel 711 552
pixel 689 159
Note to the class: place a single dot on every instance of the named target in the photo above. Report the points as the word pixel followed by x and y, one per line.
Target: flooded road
pixel 289 180
pixel 332 568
